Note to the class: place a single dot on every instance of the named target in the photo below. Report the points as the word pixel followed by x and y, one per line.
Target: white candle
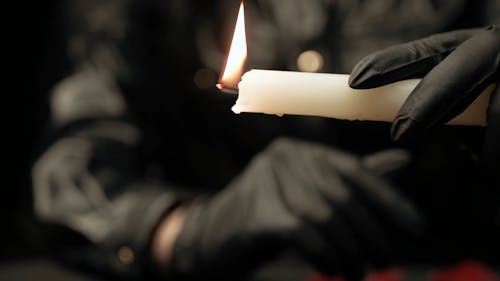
pixel 329 95
pixel 319 94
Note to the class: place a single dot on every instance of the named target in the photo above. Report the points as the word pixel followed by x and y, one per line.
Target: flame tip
pixel 236 58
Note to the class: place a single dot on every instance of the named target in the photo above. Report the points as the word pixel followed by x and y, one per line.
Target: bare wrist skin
pixel 162 244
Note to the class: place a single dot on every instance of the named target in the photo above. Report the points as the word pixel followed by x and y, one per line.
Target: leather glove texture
pixel 329 206
pixel 456 67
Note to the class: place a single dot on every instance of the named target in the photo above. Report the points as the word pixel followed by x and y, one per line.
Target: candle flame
pixel 236 59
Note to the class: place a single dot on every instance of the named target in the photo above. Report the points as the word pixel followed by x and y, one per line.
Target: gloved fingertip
pixel 404 129
pixel 362 74
pixel 354 78
pixel 386 162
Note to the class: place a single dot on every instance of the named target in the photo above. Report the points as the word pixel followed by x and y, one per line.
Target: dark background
pixel 35 65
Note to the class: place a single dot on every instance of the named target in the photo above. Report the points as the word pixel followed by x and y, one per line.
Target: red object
pixel 465 271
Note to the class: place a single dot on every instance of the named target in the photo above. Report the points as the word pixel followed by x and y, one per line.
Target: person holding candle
pixel 336 209
pixel 457 66
pixel 97 179
pixel 331 208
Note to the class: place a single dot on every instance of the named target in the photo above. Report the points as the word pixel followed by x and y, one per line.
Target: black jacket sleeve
pixel 87 182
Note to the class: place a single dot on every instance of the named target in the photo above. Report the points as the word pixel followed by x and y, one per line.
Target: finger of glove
pixel 330 250
pixel 312 246
pixel 332 225
pixel 368 232
pixel 337 233
pixel 301 194
pixel 405 61
pixel 318 251
pixel 339 194
pixel 378 194
pixel 387 162
pixel 300 180
pixel 310 168
pixel 451 86
pixel 390 205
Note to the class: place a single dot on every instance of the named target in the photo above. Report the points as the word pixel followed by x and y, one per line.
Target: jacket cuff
pixel 130 242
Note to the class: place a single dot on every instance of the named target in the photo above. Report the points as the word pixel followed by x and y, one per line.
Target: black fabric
pixel 129 120
pixel 317 201
pixel 86 183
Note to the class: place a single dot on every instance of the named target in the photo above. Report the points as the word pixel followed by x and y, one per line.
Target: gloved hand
pixel 457 66
pixel 325 204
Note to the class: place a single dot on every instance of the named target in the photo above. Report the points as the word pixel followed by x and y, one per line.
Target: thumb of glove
pixel 386 163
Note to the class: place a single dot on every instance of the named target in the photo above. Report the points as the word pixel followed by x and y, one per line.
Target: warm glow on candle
pixel 235 63
pixel 318 94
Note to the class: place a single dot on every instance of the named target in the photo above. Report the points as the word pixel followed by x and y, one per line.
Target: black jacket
pixel 131 135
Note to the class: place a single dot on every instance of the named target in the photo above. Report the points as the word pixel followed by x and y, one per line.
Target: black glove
pixel 323 203
pixel 457 67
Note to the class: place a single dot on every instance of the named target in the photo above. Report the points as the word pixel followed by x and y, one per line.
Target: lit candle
pixel 320 94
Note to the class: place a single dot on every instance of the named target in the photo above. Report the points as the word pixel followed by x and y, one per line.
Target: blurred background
pixel 181 46
pixel 33 67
